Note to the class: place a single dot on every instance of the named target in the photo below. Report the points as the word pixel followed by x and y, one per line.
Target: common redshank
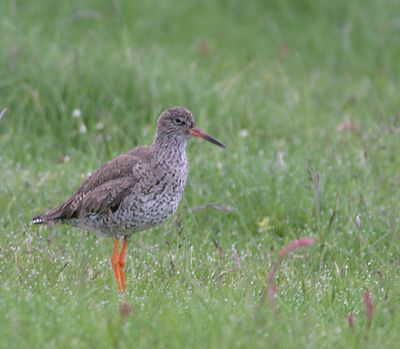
pixel 134 191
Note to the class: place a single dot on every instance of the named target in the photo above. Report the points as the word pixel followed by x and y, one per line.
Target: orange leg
pixel 122 263
pixel 116 265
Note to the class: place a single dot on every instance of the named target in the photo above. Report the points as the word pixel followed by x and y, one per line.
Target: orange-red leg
pixel 122 263
pixel 116 265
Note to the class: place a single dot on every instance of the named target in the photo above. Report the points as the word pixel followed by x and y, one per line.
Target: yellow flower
pixel 264 225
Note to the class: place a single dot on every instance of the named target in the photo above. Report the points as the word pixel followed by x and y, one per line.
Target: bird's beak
pixel 196 132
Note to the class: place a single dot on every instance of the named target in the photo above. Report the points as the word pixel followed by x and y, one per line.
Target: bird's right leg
pixel 116 265
pixel 122 262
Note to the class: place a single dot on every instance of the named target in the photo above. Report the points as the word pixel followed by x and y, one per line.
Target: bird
pixel 136 190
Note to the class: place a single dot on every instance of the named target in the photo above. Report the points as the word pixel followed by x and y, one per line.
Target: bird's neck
pixel 171 146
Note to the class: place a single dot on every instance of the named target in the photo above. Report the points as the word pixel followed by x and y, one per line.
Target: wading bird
pixel 136 190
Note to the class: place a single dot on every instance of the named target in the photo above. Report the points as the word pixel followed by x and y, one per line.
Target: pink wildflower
pixel 350 319
pixel 294 245
pixel 369 308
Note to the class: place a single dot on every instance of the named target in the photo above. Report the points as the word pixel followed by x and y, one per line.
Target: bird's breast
pixel 155 198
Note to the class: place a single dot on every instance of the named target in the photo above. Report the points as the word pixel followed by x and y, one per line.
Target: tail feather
pixel 49 217
pixel 67 210
pixel 46 218
pixel 53 215
pixel 38 220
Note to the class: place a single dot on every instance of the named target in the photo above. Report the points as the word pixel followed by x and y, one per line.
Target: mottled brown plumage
pixel 136 190
pixel 102 191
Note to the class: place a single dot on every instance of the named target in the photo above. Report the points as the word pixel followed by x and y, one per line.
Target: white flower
pixel 76 113
pixel 244 133
pixel 358 222
pixel 100 126
pixel 82 129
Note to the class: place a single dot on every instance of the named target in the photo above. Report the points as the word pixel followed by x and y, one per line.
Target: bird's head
pixel 178 122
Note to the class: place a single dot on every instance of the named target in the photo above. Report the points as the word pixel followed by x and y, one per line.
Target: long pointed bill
pixel 196 132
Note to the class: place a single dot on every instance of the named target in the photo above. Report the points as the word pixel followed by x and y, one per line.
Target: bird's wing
pixel 108 184
pixel 125 165
pixel 105 198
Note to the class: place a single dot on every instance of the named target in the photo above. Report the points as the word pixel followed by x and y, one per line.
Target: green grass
pixel 288 73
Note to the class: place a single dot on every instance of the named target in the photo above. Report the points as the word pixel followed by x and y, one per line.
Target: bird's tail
pixel 40 219
pixel 55 215
pixel 46 218
pixel 52 216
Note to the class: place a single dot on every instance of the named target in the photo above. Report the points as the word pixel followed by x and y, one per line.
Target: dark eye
pixel 178 121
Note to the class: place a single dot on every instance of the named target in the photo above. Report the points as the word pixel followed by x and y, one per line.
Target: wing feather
pixel 104 189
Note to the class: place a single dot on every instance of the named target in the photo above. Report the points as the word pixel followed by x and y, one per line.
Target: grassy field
pixel 305 94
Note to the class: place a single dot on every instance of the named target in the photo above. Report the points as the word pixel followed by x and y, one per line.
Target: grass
pixel 273 80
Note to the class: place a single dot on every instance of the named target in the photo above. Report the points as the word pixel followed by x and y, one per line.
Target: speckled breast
pixel 154 200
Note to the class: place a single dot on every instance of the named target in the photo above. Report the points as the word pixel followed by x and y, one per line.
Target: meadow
pixel 305 95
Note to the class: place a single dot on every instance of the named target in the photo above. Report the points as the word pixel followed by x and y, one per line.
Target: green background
pixel 305 96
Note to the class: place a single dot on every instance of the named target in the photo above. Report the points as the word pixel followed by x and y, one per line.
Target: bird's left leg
pixel 116 265
pixel 122 262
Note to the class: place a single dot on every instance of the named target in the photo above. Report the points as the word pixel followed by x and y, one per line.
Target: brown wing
pixel 107 186
pixel 119 167
pixel 106 197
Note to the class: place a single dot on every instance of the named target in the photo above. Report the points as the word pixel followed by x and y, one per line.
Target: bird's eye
pixel 178 121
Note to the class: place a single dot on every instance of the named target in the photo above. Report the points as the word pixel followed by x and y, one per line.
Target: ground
pixel 305 96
